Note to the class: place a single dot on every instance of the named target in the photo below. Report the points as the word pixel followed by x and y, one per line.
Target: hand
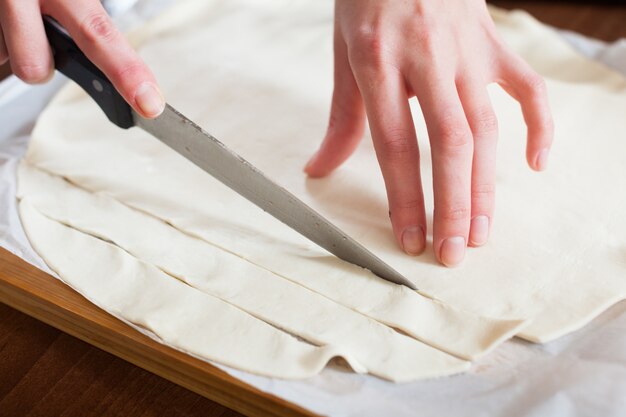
pixel 23 41
pixel 445 52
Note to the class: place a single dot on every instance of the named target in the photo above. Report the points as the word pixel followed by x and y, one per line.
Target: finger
pixel 529 89
pixel 395 142
pixel 452 150
pixel 347 118
pixel 484 127
pixel 4 54
pixel 25 39
pixel 107 48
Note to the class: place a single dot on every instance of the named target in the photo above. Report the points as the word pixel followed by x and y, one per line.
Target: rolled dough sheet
pixel 378 349
pixel 558 254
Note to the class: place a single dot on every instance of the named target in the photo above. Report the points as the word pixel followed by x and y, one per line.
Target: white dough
pixel 175 312
pixel 380 350
pixel 557 256
pixel 462 334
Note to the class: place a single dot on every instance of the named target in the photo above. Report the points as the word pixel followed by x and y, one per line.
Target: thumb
pixel 347 119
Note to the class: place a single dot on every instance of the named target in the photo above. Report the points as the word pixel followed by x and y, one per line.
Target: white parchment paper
pixel 582 374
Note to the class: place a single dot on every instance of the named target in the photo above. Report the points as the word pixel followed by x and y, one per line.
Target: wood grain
pixel 604 20
pixel 45 298
pixel 5 71
pixel 45 372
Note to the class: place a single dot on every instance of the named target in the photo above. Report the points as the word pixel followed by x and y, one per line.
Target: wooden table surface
pixel 45 372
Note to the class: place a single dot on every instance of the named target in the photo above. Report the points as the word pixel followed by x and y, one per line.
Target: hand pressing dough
pixel 558 252
pixel 378 349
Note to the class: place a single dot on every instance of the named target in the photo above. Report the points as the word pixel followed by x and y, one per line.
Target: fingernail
pixel 479 230
pixel 452 251
pixel 149 100
pixel 542 160
pixel 413 240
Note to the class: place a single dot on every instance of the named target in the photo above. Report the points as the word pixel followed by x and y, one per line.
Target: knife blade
pixel 212 156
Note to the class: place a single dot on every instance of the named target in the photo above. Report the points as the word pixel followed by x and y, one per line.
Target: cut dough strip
pixel 380 350
pixel 461 334
pixel 177 314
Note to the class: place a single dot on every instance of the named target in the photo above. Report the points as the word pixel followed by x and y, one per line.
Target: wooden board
pixel 26 288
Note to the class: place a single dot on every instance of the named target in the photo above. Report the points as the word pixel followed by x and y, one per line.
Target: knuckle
pixel 426 41
pixel 368 38
pixel 546 128
pixel 346 114
pixel 541 128
pixel 131 71
pixel 453 134
pixel 97 27
pixel 398 145
pixel 548 124
pixel 453 213
pixel 483 192
pixel 533 83
pixel 344 125
pixel 31 73
pixel 368 47
pixel 484 122
pixel 407 204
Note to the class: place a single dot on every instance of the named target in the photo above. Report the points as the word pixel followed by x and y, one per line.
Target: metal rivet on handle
pixel 97 85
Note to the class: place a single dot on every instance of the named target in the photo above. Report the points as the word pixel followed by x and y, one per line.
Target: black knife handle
pixel 71 61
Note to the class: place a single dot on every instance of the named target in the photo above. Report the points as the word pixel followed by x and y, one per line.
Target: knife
pixel 212 156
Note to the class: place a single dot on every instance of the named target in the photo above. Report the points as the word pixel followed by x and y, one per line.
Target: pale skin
pixel 443 52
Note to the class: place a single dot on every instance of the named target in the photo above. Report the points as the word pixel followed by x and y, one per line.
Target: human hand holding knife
pixel 199 147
